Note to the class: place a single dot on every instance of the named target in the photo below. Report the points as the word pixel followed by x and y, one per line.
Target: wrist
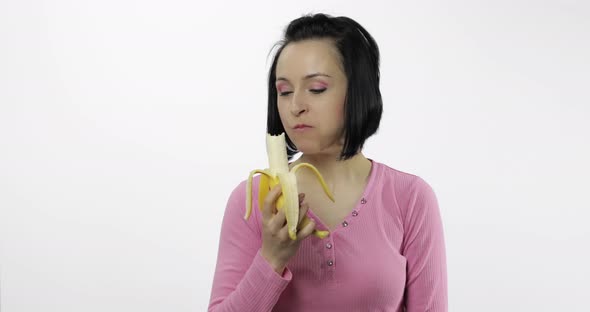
pixel 277 266
pixel 280 269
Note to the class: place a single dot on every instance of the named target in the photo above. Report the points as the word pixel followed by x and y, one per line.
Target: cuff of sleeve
pixel 262 285
pixel 267 271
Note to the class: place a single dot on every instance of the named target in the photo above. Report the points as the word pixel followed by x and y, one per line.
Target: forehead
pixel 308 56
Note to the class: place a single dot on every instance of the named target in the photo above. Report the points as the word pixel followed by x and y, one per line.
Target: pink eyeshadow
pixel 320 84
pixel 280 87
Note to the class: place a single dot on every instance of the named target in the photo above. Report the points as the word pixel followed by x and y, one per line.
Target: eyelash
pixel 314 91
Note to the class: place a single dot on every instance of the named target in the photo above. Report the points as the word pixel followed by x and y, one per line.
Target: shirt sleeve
pixel 424 249
pixel 243 279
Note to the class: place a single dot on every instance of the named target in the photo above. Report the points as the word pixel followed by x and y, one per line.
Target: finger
pixel 283 233
pixel 268 208
pixel 303 211
pixel 306 231
pixel 277 221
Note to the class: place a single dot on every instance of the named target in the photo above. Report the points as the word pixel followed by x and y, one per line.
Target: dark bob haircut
pixel 360 60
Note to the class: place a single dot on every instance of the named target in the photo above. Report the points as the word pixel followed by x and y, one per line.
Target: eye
pixel 317 91
pixel 285 93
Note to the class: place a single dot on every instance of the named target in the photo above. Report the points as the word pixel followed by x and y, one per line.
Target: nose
pixel 298 105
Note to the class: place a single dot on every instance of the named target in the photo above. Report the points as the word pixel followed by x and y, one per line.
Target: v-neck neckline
pixel 320 225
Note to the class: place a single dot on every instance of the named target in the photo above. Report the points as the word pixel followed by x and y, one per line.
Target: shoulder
pixel 401 182
pixel 239 196
pixel 240 190
pixel 403 189
pixel 237 203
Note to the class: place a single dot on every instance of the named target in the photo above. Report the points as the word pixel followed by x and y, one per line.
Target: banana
pixel 279 172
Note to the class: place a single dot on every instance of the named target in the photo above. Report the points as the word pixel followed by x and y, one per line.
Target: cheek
pixel 281 110
pixel 339 113
pixel 282 113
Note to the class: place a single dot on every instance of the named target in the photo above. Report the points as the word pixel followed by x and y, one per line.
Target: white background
pixel 124 126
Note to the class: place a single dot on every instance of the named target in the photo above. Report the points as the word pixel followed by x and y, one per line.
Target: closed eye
pixel 314 91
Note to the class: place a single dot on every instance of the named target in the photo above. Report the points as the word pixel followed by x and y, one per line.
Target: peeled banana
pixel 279 172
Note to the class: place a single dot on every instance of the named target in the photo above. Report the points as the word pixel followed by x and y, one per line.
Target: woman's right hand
pixel 277 246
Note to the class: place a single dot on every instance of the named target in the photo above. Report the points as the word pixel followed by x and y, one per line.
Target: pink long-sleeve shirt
pixel 387 255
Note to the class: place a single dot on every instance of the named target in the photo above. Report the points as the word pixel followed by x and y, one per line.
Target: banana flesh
pixel 279 173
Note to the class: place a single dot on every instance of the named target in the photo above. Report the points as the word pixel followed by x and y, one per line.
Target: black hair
pixel 359 54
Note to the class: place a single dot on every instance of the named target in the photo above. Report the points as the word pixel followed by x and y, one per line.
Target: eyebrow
pixel 306 77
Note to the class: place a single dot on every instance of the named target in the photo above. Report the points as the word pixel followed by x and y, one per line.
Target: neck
pixel 333 170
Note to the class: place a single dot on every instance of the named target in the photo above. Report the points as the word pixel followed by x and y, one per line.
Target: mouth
pixel 301 127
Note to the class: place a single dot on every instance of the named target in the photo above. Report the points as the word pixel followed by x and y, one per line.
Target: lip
pixel 301 126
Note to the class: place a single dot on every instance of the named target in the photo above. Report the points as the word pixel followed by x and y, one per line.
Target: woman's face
pixel 311 90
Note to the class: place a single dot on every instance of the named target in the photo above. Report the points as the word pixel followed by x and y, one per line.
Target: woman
pixel 385 251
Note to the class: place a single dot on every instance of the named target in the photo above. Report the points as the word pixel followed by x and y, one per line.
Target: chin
pixel 311 149
pixel 307 147
pixel 312 146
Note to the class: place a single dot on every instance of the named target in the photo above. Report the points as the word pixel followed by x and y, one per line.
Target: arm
pixel 243 280
pixel 424 249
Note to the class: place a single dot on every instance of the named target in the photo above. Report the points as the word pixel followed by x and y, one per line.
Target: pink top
pixel 387 255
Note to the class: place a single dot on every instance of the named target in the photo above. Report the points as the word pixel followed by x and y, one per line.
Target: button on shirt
pixel 393 236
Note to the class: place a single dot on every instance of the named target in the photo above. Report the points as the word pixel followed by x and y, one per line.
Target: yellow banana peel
pixel 279 173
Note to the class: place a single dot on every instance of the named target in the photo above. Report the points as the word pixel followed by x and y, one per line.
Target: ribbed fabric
pixel 387 255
